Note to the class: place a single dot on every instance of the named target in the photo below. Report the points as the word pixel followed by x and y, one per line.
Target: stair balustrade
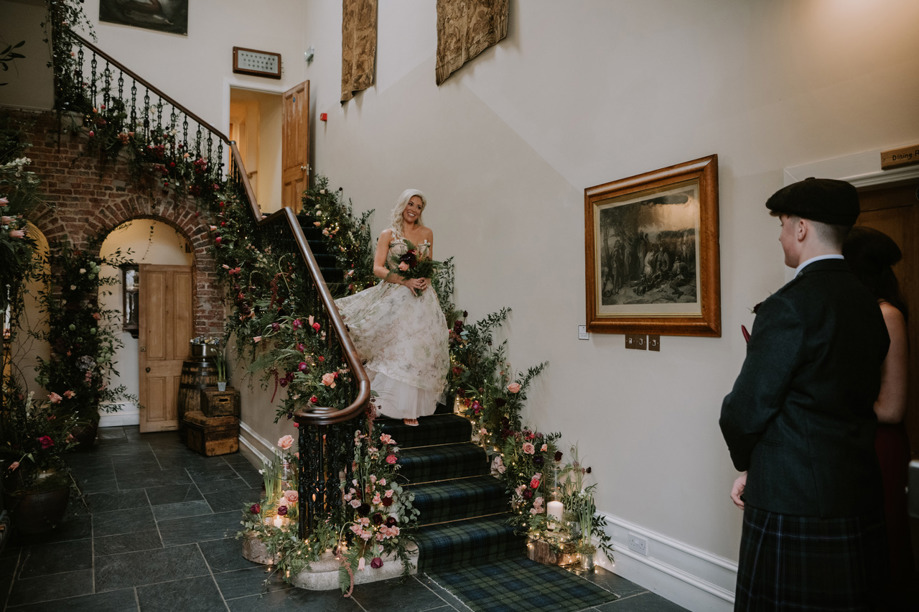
pixel 89 81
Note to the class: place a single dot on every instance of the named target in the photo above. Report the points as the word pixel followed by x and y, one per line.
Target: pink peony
pixel 286 442
pixel 514 387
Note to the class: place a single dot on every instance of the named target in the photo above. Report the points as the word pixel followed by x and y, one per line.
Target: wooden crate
pixel 552 553
pixel 220 403
pixel 212 436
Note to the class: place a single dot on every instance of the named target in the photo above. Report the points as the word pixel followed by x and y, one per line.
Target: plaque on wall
pixel 257 63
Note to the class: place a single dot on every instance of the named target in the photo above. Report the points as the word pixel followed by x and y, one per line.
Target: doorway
pixel 256 119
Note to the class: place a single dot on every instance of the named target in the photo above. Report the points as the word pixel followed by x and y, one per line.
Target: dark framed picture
pixel 162 15
pixel 652 255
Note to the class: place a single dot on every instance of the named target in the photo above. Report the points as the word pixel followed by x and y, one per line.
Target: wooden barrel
pixel 197 375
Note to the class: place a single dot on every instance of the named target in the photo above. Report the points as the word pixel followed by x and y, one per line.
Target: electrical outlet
pixel 638 544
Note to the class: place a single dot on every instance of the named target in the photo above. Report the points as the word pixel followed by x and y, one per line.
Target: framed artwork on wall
pixel 652 254
pixel 161 15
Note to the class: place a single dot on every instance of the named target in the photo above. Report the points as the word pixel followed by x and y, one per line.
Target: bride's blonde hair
pixel 401 203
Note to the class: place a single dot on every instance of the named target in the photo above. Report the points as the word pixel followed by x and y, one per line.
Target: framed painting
pixel 162 15
pixel 652 255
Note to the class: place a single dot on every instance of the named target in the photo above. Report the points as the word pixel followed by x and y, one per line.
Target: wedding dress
pixel 403 339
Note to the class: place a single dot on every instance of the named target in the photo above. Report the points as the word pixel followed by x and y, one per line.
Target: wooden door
pixel 166 326
pixel 295 138
pixel 895 211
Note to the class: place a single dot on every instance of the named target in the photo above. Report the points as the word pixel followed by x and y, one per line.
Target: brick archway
pixel 88 199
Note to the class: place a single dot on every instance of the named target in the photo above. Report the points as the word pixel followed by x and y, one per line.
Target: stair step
pixel 455 500
pixel 432 430
pixel 435 463
pixel 465 543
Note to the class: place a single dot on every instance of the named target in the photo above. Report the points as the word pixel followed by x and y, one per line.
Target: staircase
pixel 464 511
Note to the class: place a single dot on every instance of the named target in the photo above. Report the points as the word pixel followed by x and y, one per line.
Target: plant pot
pixel 221 385
pixel 587 561
pixel 42 506
pixel 85 435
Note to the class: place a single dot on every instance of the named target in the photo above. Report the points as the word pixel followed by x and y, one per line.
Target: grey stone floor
pixel 157 532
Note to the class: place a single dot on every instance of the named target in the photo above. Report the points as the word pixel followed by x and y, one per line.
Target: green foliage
pixel 346 236
pixel 82 336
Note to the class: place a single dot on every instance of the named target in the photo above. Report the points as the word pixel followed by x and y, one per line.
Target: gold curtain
pixel 465 28
pixel 358 46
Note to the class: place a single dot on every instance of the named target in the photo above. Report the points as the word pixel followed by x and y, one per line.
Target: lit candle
pixel 279 521
pixel 555 509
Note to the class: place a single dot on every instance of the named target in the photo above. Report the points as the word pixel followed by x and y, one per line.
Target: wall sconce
pixel 130 276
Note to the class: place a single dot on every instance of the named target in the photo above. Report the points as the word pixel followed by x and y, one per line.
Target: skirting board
pixel 690 577
pixel 253 446
pixel 127 413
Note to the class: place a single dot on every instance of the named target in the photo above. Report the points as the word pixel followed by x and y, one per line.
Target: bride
pixel 397 325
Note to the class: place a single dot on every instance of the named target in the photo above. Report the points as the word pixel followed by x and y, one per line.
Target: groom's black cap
pixel 824 200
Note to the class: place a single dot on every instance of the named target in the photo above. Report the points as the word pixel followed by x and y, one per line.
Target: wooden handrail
pixel 286 216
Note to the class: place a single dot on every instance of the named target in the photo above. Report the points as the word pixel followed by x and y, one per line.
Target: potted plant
pixel 33 440
pixel 82 337
pixel 221 361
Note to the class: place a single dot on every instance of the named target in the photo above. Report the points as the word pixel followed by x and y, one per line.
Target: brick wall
pixel 91 199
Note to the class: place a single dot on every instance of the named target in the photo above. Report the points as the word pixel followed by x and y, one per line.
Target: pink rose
pixel 544 448
pixel 534 484
pixel 390 459
pixel 69 394
pixel 514 387
pixel 55 398
pixel 528 448
pixel 286 442
pixel 328 380
pixel 292 496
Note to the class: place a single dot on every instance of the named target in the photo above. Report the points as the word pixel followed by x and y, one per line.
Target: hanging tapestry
pixel 465 28
pixel 358 46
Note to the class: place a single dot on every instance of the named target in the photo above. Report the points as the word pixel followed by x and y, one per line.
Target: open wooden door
pixel 166 327
pixel 295 138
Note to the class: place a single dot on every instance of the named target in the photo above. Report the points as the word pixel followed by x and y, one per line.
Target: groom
pixel 799 422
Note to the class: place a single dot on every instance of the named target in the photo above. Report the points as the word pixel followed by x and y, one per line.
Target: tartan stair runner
pixel 463 509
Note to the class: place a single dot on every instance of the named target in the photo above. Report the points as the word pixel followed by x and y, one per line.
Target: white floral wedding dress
pixel 403 339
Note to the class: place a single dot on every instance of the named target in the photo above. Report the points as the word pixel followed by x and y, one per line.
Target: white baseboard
pixel 126 413
pixel 255 447
pixel 687 576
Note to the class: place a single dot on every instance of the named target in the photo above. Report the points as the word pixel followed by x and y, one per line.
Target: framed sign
pixel 652 255
pixel 257 63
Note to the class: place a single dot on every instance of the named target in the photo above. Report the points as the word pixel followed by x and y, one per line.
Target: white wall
pixel 29 82
pixel 581 93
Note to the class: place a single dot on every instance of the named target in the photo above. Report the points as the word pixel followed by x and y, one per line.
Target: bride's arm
pixel 379 259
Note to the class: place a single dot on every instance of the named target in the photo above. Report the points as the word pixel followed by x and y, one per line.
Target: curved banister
pixel 317 415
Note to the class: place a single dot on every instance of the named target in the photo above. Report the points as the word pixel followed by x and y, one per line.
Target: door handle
pixel 143 349
pixel 147 370
pixel 303 168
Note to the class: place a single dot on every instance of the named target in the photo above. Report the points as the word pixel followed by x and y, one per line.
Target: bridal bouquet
pixel 412 265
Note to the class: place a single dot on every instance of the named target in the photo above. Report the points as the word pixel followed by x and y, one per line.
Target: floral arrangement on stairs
pixel 364 532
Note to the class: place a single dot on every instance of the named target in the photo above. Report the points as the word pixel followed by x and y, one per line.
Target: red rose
pixel 255 509
pixel 46 442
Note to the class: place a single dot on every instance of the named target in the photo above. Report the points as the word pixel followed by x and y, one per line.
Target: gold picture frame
pixel 652 253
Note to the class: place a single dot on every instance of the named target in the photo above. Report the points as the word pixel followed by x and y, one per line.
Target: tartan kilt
pixel 809 563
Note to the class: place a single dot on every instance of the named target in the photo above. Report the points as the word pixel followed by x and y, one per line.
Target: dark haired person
pixel 800 425
pixel 871 255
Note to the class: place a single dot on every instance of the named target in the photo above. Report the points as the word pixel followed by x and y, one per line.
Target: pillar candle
pixel 555 510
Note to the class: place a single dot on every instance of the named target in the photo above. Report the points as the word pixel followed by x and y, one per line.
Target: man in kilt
pixel 800 425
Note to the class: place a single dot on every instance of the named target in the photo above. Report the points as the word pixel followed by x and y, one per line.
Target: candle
pixel 279 521
pixel 555 510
